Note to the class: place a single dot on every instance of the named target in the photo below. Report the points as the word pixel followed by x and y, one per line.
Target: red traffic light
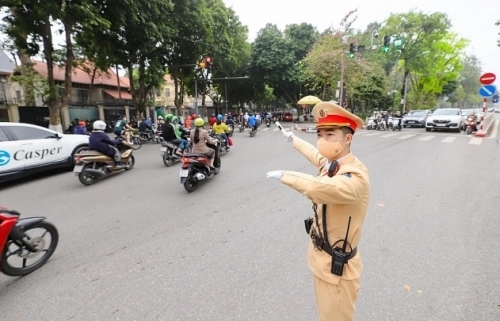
pixel 208 60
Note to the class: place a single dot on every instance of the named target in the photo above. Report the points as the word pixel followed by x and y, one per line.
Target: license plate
pixel 163 149
pixel 78 169
pixel 411 122
pixel 441 125
pixel 184 173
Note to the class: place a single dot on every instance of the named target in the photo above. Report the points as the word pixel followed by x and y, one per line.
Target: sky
pixel 472 20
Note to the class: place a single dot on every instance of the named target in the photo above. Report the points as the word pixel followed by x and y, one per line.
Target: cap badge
pixel 322 113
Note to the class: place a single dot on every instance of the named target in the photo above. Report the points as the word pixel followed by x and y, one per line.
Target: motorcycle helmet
pixel 199 122
pixel 99 125
pixel 160 118
pixel 219 117
pixel 169 116
pixel 175 119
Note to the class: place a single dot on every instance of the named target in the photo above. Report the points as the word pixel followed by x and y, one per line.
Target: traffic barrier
pixel 486 125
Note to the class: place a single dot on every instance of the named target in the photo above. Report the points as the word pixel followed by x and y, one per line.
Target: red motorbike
pixel 470 122
pixel 25 243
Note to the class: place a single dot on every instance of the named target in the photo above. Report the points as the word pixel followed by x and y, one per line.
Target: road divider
pixel 487 126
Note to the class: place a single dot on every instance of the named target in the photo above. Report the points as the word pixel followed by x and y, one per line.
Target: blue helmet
pixel 219 117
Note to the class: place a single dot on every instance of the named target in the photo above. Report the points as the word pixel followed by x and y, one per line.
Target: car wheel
pixel 77 151
pixel 427 129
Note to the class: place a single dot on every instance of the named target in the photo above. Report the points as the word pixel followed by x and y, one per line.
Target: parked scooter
pixel 91 166
pixel 25 243
pixel 196 168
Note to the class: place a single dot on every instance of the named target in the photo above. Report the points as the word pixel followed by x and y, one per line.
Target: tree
pixel 30 25
pixel 276 56
pixel 137 39
pixel 430 52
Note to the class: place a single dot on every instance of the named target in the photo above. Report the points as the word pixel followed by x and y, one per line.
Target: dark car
pixel 416 118
pixel 288 117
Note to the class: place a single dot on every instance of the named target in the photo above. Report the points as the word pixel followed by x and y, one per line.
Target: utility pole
pixel 406 90
pixel 341 96
pixel 196 95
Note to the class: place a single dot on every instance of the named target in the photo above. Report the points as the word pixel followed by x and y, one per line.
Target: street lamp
pixel 406 79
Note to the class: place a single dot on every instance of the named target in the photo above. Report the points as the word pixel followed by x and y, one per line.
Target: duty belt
pixel 319 243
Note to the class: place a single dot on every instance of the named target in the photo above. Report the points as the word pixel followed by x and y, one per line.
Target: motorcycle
pixel 91 166
pixel 396 124
pixel 150 135
pixel 253 132
pixel 224 146
pixel 268 123
pixel 469 123
pixel 196 168
pixel 231 130
pixel 19 242
pixel 242 127
pixel 169 153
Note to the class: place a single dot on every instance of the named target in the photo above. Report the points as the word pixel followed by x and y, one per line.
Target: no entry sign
pixel 487 78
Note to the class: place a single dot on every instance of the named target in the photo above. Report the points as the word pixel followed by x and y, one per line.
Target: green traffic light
pixel 351 55
pixel 385 49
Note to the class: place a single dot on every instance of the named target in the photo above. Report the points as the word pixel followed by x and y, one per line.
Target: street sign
pixel 495 99
pixel 488 90
pixel 487 78
pixel 397 43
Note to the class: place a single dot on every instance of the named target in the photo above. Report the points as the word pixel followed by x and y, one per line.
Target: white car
pixel 27 149
pixel 444 119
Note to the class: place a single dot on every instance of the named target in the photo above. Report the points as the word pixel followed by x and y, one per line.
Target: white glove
pixel 288 136
pixel 275 174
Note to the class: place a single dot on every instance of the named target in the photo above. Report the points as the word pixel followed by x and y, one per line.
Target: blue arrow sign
pixel 487 91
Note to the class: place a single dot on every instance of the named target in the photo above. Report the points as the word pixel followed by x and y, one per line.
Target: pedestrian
pixel 340 195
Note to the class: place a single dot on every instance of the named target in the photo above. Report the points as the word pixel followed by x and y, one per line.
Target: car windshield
pixel 445 112
pixel 418 114
pixel 466 112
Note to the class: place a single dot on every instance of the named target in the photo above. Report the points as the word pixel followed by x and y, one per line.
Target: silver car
pixel 416 118
pixel 445 119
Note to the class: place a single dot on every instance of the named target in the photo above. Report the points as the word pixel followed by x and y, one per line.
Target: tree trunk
pixel 53 99
pixel 118 83
pixel 92 79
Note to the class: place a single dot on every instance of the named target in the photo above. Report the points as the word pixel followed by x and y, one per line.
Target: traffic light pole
pixel 341 98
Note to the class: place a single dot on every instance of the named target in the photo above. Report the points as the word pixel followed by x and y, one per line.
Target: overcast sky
pixel 473 20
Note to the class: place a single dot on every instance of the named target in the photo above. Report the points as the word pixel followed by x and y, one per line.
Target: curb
pixel 487 131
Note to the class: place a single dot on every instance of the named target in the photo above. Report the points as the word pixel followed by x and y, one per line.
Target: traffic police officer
pixel 342 191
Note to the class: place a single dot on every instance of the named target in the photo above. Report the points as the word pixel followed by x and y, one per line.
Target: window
pixel 18 95
pixel 82 96
pixel 446 112
pixel 158 93
pixel 3 136
pixel 27 133
pixel 167 92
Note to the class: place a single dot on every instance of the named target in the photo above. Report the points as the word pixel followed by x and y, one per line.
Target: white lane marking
pixel 390 135
pixel 373 134
pixel 406 136
pixel 276 129
pixel 448 140
pixel 475 141
pixel 427 138
pixel 265 129
pixel 495 129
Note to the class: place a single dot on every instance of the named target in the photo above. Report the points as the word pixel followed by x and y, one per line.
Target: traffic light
pixel 387 44
pixel 205 63
pixel 351 51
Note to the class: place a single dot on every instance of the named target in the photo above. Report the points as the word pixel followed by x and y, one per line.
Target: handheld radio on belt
pixel 339 255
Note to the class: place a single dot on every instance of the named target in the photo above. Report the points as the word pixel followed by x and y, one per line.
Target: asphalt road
pixel 137 246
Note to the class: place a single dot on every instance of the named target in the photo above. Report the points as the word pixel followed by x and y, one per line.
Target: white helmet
pixel 99 125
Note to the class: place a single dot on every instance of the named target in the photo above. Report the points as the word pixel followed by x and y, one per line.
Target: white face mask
pixel 329 149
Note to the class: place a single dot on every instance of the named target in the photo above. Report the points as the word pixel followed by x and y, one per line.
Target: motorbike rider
pixel 221 129
pixel 180 131
pixel 100 142
pixel 122 127
pixel 252 122
pixel 396 119
pixel 245 118
pixel 168 134
pixel 200 137
pixel 212 120
pixel 146 126
pixel 268 117
pixel 473 118
pixel 80 128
